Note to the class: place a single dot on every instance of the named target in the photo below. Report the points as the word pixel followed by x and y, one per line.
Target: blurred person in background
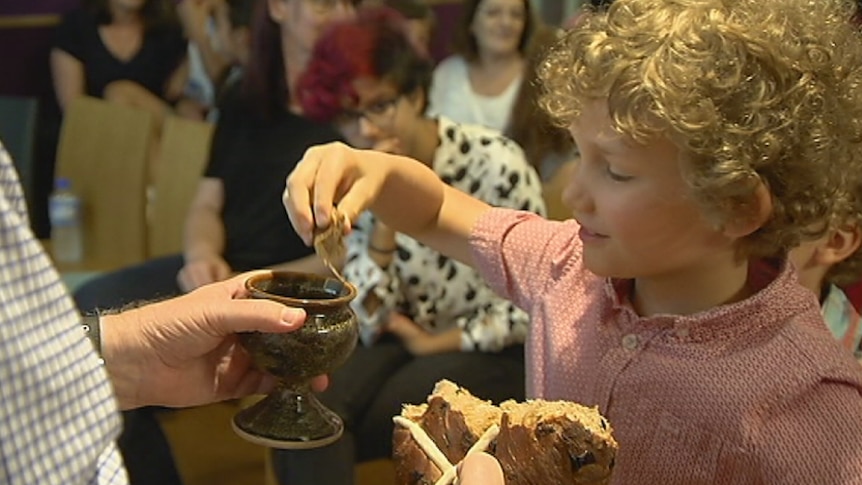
pixel 207 26
pixel 478 84
pixel 547 145
pixel 420 22
pixel 126 50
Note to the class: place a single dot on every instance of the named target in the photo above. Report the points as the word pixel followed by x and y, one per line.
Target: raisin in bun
pixel 536 442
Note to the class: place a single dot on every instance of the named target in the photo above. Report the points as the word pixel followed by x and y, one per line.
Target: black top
pixel 252 157
pixel 162 50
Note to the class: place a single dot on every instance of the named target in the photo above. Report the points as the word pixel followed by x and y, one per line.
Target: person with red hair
pixel 423 317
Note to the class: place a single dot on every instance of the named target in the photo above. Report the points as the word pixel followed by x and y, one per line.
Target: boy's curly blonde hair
pixel 750 90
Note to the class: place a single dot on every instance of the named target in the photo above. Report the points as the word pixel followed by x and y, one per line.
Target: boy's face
pixel 633 204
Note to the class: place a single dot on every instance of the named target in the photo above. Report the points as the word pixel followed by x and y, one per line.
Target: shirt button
pixel 682 332
pixel 630 341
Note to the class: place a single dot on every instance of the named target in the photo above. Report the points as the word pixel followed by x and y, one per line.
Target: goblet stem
pixel 290 417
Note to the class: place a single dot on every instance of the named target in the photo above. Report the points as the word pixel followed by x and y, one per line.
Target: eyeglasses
pixel 379 113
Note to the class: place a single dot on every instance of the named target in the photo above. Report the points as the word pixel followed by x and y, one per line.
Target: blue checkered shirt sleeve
pixel 58 416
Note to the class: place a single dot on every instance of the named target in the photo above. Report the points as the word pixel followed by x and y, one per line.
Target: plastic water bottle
pixel 64 210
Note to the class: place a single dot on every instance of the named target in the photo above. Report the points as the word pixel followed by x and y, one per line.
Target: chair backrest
pixel 104 150
pixel 183 154
pixel 18 116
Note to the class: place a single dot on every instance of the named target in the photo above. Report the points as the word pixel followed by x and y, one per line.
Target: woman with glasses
pixel 479 83
pixel 423 317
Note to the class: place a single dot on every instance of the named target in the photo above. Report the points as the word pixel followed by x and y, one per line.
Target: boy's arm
pixel 405 194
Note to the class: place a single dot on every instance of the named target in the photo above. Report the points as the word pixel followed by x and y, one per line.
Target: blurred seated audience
pixel 235 222
pixel 478 84
pixel 131 51
pixel 217 31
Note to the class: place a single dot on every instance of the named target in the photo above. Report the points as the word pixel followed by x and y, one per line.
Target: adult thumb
pixel 247 315
pixel 480 469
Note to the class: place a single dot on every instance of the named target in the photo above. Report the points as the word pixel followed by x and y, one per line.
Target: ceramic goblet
pixel 291 417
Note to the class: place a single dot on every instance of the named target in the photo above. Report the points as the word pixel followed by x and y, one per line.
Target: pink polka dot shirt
pixel 753 392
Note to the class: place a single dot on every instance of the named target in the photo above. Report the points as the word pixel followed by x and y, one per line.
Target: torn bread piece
pixel 329 243
pixel 539 442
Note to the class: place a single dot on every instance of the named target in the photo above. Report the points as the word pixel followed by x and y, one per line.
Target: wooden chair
pixel 183 154
pixel 104 151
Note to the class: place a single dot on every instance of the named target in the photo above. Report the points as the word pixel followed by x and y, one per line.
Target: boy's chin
pixel 607 271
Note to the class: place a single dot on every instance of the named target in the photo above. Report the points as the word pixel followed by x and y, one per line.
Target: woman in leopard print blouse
pixel 423 317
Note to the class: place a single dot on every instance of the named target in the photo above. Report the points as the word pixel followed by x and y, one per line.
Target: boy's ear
pixel 839 245
pixel 756 214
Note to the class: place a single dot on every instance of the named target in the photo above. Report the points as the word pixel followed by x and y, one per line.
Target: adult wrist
pixel 92 326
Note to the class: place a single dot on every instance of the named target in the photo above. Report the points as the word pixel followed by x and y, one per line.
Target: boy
pixel 713 135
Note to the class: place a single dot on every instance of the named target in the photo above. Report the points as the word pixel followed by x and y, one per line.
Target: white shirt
pixel 452 96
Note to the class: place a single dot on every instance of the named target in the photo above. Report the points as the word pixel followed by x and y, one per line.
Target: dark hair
pixel 264 85
pixel 240 12
pixel 371 45
pixel 155 13
pixel 465 41
pixel 411 9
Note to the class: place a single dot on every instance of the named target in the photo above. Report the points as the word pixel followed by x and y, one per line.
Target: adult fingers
pixel 247 315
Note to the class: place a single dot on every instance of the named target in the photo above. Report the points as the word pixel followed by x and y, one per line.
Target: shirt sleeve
pixel 520 254
pixel 369 279
pixel 507 180
pixel 817 438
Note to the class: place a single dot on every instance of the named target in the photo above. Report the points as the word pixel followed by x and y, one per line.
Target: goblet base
pixel 288 419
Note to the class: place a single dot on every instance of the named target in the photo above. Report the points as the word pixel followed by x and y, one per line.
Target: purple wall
pixel 447 17
pixel 24 50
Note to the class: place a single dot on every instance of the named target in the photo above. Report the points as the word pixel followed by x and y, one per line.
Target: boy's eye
pixel 617 177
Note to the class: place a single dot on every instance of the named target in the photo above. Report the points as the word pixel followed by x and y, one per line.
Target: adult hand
pixel 480 469
pixel 203 271
pixel 184 351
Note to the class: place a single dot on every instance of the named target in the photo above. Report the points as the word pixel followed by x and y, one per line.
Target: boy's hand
pixel 328 176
